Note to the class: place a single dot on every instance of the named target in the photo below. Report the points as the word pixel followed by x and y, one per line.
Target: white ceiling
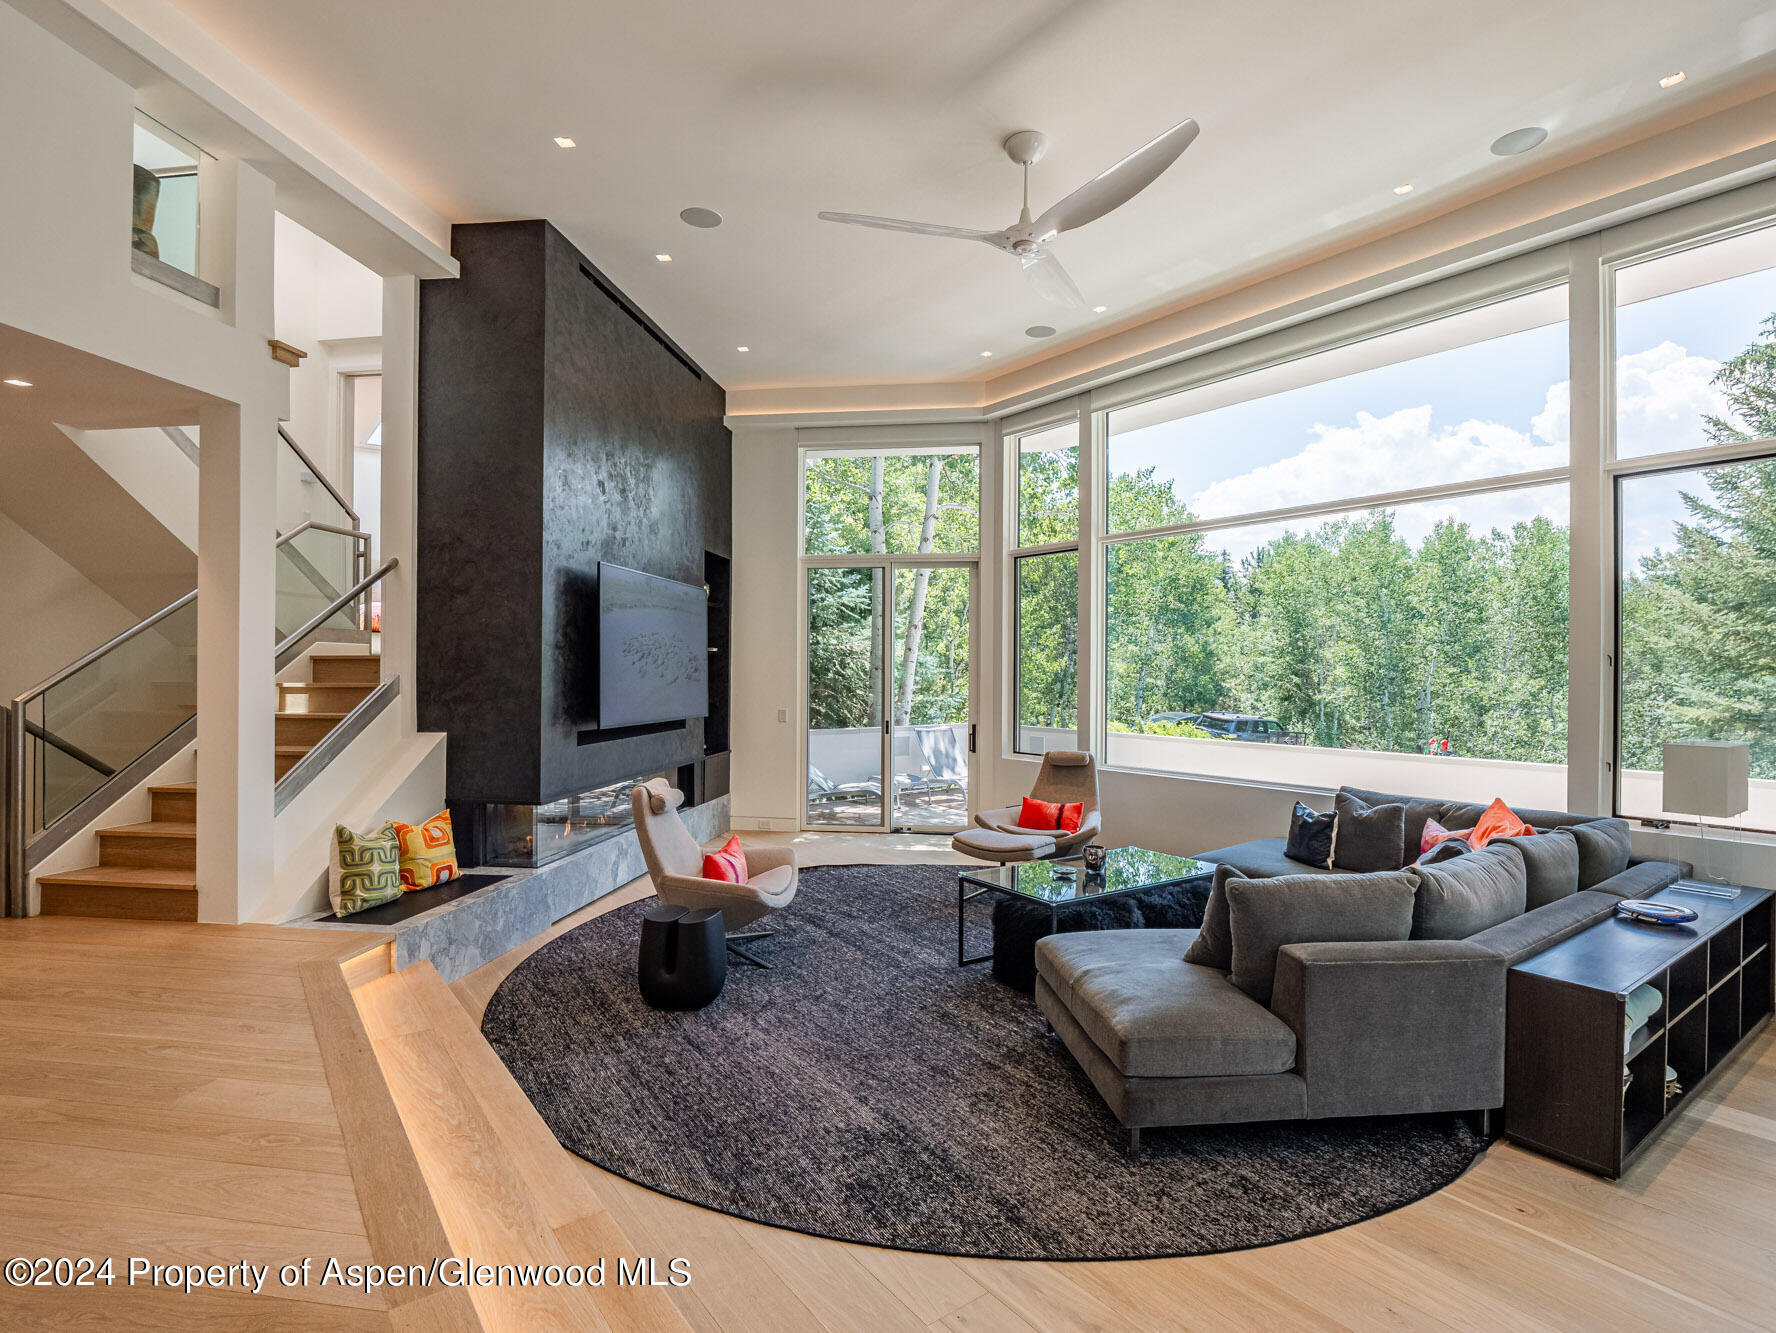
pixel 1312 111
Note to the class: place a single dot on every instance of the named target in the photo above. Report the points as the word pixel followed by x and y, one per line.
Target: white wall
pixel 330 306
pixel 765 774
pixel 52 613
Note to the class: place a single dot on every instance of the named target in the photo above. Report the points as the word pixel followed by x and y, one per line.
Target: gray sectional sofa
pixel 1390 1027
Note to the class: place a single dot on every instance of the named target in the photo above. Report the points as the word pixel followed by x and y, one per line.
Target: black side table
pixel 684 956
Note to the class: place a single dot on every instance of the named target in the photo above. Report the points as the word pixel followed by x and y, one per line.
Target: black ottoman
pixel 1018 923
pixel 684 956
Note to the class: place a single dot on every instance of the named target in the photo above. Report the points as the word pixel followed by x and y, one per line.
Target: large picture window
pixel 1388 640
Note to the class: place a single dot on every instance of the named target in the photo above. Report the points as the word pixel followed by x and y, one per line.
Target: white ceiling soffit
pixel 1312 113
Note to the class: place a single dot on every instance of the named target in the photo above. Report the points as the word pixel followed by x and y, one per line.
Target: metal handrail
pixel 291 644
pixel 70 749
pixel 312 525
pixel 319 476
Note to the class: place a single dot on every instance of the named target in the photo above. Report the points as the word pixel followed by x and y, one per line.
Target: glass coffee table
pixel 1062 883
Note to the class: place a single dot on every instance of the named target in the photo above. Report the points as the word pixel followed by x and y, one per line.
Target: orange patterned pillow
pixel 428 852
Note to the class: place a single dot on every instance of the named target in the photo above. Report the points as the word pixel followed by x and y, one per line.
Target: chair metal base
pixel 736 943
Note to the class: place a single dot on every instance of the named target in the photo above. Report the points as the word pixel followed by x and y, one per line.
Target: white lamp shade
pixel 1707 778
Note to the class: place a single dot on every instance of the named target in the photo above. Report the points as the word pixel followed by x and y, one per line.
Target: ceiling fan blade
pixel 1050 280
pixel 917 228
pixel 1117 186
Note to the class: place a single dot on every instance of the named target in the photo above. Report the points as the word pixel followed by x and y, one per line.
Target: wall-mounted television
pixel 653 649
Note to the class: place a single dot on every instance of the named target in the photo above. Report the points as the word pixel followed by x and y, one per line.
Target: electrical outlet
pixel 783 714
pixel 763 823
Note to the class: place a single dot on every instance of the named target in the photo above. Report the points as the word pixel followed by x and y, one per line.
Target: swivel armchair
pixel 1067 776
pixel 675 865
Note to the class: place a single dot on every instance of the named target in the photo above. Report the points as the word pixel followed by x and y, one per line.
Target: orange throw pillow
pixel 728 865
pixel 1039 814
pixel 1499 821
pixel 1071 815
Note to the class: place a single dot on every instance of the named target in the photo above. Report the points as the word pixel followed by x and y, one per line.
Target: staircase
pixel 309 709
pixel 148 871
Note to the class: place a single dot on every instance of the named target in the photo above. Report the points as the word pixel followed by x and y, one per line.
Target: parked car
pixel 1247 727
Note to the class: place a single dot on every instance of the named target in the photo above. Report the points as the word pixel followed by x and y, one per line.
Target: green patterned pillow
pixel 366 869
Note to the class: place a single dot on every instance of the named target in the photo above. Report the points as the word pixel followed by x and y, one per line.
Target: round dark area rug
pixel 867 1089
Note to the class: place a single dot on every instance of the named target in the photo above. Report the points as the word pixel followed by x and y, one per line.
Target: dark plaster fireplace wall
pixel 558 427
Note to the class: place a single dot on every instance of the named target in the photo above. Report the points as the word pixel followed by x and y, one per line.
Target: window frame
pixel 1011 434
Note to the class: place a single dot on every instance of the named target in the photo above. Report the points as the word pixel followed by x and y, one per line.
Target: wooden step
pixel 503 1187
pixel 135 893
pixel 285 757
pixel 345 669
pixel 155 843
pixel 308 729
pixel 174 803
pixel 305 696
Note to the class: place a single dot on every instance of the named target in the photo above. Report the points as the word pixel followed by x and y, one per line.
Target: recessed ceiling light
pixel 743 349
pixel 1403 189
pixel 986 354
pixel 1099 309
pixel 1672 80
pixel 1040 331
pixel 700 217
pixel 1518 141
pixel 664 259
pixel 562 141
pixel 19 384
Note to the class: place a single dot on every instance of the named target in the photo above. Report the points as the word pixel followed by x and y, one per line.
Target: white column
pixel 237 513
pixel 400 491
pixel 1591 648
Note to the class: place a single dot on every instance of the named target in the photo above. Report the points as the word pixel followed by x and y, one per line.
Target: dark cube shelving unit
pixel 1565 1025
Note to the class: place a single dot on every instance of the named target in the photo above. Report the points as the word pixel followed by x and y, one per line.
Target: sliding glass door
pixel 889 700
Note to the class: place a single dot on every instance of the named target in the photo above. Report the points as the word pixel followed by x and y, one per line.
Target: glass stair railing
pixel 101 726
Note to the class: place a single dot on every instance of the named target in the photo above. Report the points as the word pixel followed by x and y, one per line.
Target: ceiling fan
pixel 1028 240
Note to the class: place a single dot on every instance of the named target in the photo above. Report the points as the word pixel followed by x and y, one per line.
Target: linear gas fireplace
pixel 534 835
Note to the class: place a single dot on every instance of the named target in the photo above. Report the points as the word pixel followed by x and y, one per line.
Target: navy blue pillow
pixel 1310 836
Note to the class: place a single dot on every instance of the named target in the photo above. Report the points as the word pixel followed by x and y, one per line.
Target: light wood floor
pixel 1687 1240
pixel 163 1093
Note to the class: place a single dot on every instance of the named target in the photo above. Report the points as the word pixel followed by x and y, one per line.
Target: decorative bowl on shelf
pixel 1653 913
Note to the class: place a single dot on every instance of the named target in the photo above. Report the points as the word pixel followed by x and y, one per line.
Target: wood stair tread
pixel 291 749
pixel 182 787
pixel 330 717
pixel 153 828
pixel 132 877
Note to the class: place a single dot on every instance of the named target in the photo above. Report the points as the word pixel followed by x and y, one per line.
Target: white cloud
pixel 1397 452
pixel 1662 396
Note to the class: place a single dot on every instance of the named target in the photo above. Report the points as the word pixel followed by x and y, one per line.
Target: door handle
pixel 971 727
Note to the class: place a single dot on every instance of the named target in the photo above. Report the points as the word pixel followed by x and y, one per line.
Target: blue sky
pixel 1487 409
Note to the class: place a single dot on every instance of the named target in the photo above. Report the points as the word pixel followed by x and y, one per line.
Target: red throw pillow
pixel 728 865
pixel 1039 814
pixel 1071 814
pixel 1499 821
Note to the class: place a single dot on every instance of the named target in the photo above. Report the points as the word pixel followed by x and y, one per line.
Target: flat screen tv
pixel 653 649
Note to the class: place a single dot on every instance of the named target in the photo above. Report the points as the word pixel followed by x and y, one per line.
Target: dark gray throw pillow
pixel 1266 914
pixel 1367 837
pixel 1469 894
pixel 1310 836
pixel 1603 850
pixel 1550 864
pixel 1417 812
pixel 1213 945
